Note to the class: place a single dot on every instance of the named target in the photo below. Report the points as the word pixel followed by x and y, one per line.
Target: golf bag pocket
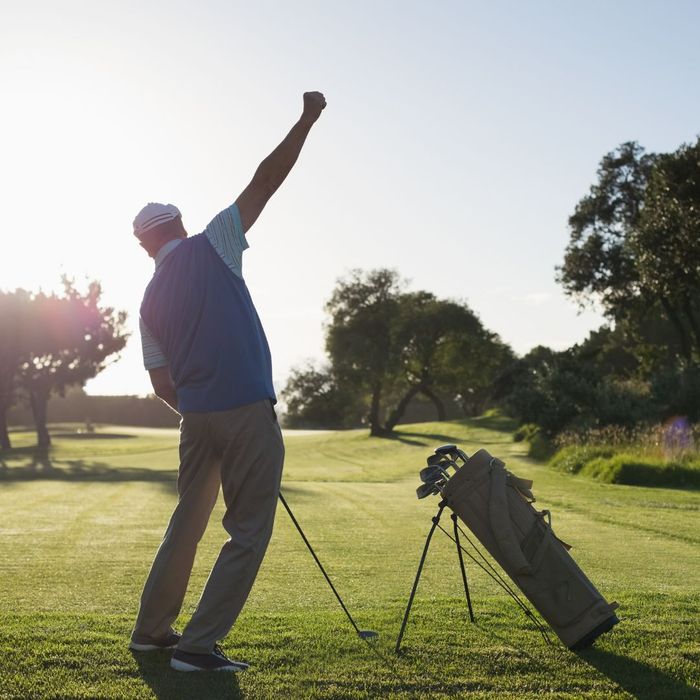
pixel 537 541
pixel 497 507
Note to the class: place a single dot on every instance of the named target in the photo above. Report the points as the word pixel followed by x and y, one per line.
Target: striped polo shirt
pixel 198 318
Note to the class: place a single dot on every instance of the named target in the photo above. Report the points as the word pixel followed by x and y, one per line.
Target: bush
pixel 525 432
pixel 574 458
pixel 636 470
pixel 540 446
pixel 609 464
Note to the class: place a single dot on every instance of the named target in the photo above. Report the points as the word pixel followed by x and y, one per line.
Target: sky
pixel 457 139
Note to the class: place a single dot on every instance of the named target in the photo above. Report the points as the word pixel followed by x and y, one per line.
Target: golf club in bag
pixel 497 507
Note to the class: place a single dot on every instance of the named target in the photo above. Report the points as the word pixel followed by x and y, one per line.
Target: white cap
pixel 153 215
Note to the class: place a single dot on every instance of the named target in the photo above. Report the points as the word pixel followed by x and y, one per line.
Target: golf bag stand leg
pixel 462 567
pixel 436 520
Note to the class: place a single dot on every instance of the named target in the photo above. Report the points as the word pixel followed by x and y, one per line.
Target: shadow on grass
pixel 13 452
pixel 40 466
pixel 297 488
pixel 639 679
pixel 167 684
pixel 400 436
pixel 496 423
pixel 501 424
pixel 426 439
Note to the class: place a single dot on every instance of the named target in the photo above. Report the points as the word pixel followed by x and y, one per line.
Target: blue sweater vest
pixel 205 322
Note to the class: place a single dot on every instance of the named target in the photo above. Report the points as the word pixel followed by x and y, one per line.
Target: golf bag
pixel 497 507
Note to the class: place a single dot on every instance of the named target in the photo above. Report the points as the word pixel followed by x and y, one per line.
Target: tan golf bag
pixel 496 506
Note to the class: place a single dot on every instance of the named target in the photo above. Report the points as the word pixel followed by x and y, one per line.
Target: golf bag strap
pixel 550 534
pixel 522 485
pixel 499 517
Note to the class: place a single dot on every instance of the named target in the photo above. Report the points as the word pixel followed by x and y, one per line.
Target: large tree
pixel 426 330
pixel 635 245
pixel 386 346
pixel 471 365
pixel 14 348
pixel 599 262
pixel 666 238
pixel 70 338
pixel 360 335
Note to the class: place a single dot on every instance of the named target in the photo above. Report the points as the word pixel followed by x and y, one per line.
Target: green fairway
pixel 79 527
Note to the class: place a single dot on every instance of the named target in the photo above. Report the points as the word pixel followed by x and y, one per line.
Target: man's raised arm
pixel 275 168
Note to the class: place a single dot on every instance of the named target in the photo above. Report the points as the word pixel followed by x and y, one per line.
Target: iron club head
pixel 446 450
pixel 430 474
pixel 425 490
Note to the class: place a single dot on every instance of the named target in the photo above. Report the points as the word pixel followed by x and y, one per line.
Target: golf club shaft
pixel 316 559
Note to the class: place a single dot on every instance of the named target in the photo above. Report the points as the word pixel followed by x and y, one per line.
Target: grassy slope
pixel 77 536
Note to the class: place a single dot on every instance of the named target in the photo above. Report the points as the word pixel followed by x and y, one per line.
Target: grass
pixel 79 526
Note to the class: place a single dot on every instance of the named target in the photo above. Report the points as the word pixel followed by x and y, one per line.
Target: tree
pixel 315 398
pixel 359 337
pixel 666 238
pixel 387 345
pixel 634 244
pixel 425 328
pixel 13 348
pixel 70 339
pixel 471 365
pixel 599 262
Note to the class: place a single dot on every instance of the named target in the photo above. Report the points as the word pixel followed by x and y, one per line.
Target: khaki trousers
pixel 241 450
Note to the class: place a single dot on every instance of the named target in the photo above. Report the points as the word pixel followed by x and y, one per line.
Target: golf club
pixel 430 474
pixel 367 635
pixel 425 490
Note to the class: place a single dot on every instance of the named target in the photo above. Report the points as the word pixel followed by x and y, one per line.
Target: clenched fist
pixel 314 104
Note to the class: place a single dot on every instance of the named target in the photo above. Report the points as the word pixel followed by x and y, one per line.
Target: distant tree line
pixel 634 251
pixel 49 342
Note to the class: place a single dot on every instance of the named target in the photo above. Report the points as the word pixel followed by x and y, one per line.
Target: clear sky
pixel 457 139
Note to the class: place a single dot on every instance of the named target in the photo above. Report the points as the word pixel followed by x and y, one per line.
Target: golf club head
pixel 463 456
pixel 447 450
pixel 430 474
pixel 444 465
pixel 434 459
pixel 369 635
pixel 425 490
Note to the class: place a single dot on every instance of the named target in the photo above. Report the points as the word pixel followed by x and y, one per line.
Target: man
pixel 208 359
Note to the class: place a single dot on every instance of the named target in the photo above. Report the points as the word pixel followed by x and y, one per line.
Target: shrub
pixel 540 446
pixel 630 464
pixel 525 432
pixel 673 439
pixel 574 458
pixel 636 470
